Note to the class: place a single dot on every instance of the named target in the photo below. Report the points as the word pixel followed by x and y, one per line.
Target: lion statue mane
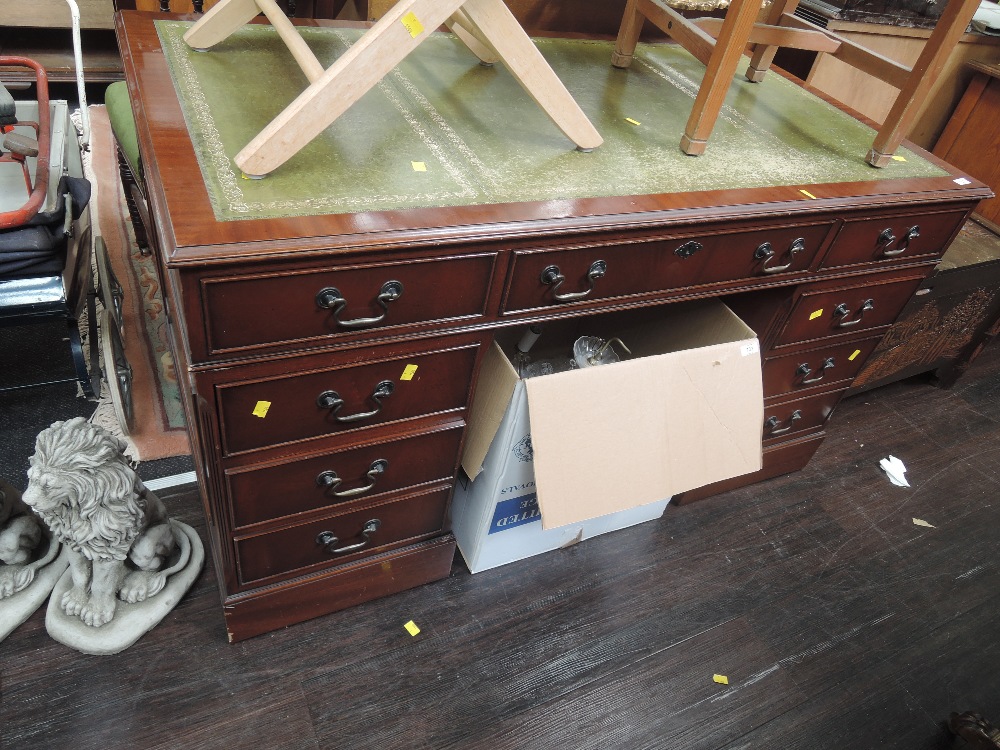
pixel 116 531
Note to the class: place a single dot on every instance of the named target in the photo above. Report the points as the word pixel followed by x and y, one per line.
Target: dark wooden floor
pixel 839 623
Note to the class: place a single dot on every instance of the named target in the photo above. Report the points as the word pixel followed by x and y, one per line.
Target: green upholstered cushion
pixel 442 130
pixel 123 124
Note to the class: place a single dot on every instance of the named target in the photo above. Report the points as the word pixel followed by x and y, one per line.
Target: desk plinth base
pixel 257 612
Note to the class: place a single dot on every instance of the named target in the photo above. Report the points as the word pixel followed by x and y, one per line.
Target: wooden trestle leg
pixel 488 25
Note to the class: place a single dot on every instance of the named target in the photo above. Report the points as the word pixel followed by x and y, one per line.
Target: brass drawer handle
pixel 886 238
pixel 331 400
pixel 329 480
pixel 804 370
pixel 552 277
pixel 842 311
pixel 329 540
pixel 765 253
pixel 773 422
pixel 330 298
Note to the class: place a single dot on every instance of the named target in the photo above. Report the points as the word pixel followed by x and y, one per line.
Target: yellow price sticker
pixel 260 410
pixel 411 628
pixel 816 314
pixel 412 24
pixel 721 679
pixel 632 122
pixel 807 194
pixel 899 158
pixel 408 372
pixel 418 166
pixel 853 356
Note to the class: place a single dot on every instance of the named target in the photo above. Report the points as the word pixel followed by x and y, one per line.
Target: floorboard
pixel 838 622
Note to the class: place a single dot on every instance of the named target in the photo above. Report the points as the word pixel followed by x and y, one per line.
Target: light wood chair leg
pixel 718 78
pixel 494 21
pixel 628 35
pixel 763 55
pixel 222 19
pixel 460 25
pixel 950 28
pixel 354 73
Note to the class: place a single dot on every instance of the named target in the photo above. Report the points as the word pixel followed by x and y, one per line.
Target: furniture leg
pixel 494 21
pixel 950 28
pixel 628 35
pixel 368 60
pixel 222 19
pixel 460 25
pixel 718 78
pixel 763 55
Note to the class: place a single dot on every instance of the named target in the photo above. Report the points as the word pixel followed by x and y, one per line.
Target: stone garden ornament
pixel 129 564
pixel 30 563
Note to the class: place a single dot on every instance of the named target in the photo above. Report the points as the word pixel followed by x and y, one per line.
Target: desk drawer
pixel 823 310
pixel 308 307
pixel 336 399
pixel 544 278
pixel 792 418
pixel 818 368
pixel 264 493
pixel 305 546
pixel 887 238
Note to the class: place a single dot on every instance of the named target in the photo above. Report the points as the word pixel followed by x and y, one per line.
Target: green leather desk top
pixel 480 138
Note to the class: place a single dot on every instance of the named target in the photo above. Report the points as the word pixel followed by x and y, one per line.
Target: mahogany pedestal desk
pixel 327 362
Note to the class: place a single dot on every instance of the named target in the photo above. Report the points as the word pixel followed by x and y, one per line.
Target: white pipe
pixel 78 59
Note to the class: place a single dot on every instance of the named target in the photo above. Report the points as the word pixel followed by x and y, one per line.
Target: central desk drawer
pixel 289 408
pixel 337 538
pixel 544 278
pixel 264 493
pixel 300 307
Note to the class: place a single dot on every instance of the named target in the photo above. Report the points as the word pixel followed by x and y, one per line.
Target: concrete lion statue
pixel 20 536
pixel 116 532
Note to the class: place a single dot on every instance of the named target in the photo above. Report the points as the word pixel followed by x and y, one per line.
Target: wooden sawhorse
pixel 719 44
pixel 487 27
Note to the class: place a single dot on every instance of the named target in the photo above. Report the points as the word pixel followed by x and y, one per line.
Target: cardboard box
pixel 496 519
pixel 684 410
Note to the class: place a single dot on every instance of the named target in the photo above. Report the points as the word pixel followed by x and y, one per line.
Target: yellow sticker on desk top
pixel 418 166
pixel 853 356
pixel 412 24
pixel 411 628
pixel 408 372
pixel 807 194
pixel 260 410
pixel 632 122
pixel 816 314
pixel 721 679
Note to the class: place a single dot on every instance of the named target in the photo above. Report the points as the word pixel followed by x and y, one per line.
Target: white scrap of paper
pixel 895 470
pixel 922 522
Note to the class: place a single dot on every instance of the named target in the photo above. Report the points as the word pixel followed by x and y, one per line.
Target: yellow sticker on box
pixel 721 679
pixel 854 356
pixel 408 372
pixel 260 410
pixel 412 24
pixel 418 166
pixel 816 314
pixel 411 628
pixel 632 122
